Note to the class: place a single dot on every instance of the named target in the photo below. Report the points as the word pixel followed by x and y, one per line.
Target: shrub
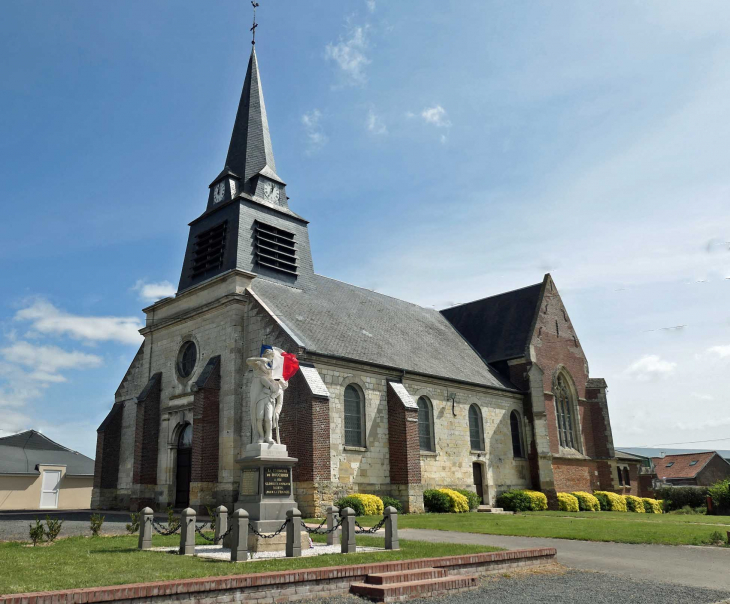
pixel 688 511
pixel 610 502
pixel 567 502
pixel 652 506
pixel 474 500
pixel 96 521
pixel 133 526
pixel 634 504
pixel 351 502
pixel 53 528
pixel 720 493
pixel 36 532
pixel 523 501
pixel 457 502
pixel 172 522
pixel 392 502
pixel 676 498
pixel 587 502
pixel 435 501
pixel 372 504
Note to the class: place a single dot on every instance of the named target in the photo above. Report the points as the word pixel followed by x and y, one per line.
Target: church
pixel 391 398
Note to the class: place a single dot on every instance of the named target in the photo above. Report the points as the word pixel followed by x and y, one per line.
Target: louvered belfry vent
pixel 275 248
pixel 209 248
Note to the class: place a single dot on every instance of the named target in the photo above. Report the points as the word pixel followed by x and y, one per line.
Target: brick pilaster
pixel 404 447
pixel 146 433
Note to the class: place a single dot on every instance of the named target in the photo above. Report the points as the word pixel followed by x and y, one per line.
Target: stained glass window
pixel 353 417
pixel 476 430
pixel 425 425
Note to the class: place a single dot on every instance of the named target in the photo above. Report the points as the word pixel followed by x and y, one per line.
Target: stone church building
pixel 391 398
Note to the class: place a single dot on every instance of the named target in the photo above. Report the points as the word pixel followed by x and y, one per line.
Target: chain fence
pixel 214 540
pixel 359 530
pixel 165 531
pixel 318 530
pixel 269 536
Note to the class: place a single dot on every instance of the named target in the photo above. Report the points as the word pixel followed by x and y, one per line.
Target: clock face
pixel 219 192
pixel 271 192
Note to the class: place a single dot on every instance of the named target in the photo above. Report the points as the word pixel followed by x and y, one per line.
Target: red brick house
pixel 695 469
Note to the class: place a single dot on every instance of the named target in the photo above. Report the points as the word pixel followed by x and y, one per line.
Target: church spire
pixel 250 152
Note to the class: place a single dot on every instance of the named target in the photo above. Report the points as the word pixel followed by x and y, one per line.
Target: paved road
pixel 705 567
pixel 572 587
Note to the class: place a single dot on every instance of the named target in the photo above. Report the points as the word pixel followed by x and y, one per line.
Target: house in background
pixel 634 474
pixel 39 474
pixel 695 469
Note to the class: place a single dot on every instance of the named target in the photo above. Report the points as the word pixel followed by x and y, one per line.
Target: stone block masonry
pixel 287 586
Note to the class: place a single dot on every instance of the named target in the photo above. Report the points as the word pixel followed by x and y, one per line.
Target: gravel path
pixel 570 587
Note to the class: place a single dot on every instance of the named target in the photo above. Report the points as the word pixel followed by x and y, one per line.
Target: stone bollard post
pixel 221 523
pixel 348 531
pixel 239 536
pixel 294 533
pixel 332 514
pixel 187 532
pixel 145 528
pixel 391 528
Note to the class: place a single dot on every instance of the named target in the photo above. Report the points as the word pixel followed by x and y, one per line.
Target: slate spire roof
pixel 250 151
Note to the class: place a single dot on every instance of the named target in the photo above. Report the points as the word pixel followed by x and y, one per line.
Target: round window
pixel 187 359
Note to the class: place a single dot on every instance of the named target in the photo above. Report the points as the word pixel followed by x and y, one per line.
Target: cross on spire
pixel 255 25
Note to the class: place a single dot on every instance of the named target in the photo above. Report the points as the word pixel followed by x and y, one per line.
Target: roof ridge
pixel 511 291
pixel 685 454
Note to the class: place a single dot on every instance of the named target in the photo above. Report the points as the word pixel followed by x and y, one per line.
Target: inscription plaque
pixel 277 482
pixel 250 482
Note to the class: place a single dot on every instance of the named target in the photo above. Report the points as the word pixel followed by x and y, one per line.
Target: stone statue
pixel 266 397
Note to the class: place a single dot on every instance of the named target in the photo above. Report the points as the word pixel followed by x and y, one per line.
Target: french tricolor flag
pixel 284 365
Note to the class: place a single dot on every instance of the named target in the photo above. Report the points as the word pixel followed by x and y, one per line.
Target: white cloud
pixel 703 397
pixel 46 361
pixel 721 351
pixel 375 124
pixel 370 5
pixel 47 319
pixel 437 116
pixel 349 55
pixel 152 292
pixel 650 367
pixel 316 137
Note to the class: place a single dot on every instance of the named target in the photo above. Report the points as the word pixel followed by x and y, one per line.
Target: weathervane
pixel 255 25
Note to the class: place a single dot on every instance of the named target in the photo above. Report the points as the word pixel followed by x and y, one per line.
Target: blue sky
pixel 443 151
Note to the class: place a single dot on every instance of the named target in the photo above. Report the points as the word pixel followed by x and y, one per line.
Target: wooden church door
pixel 184 465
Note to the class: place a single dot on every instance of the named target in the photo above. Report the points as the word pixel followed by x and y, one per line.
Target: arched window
pixel 564 413
pixel 627 478
pixel 476 429
pixel 354 417
pixel 515 425
pixel 185 440
pixel 425 424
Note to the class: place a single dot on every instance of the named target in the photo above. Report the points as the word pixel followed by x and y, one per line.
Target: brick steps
pixel 405 576
pixel 417 586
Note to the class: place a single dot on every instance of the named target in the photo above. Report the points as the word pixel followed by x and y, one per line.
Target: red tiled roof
pixel 681 467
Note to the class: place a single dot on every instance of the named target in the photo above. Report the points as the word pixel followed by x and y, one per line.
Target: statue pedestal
pixel 266 492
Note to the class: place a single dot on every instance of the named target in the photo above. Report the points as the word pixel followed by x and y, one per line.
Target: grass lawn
pixel 102 561
pixel 622 527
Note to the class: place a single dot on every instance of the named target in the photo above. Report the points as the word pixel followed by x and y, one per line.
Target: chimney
pixel 662 454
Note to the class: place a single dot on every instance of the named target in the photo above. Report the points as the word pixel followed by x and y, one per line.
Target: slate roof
pixel 681 467
pixel 499 327
pixel 338 319
pixel 21 453
pixel 656 452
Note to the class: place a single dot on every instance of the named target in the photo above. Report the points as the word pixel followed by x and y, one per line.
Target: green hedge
pixel 436 502
pixel 587 502
pixel 634 504
pixel 610 502
pixel 720 493
pixel 351 502
pixel 522 501
pixel 676 498
pixel 389 501
pixel 474 500
pixel 567 502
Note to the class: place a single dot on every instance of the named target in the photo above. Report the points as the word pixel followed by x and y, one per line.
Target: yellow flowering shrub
pixel 372 503
pixel 459 503
pixel 567 502
pixel 634 504
pixel 616 502
pixel 587 502
pixel 652 506
pixel 538 501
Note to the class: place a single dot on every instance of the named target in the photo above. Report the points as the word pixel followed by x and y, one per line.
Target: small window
pixel 694 462
pixel 425 425
pixel 620 477
pixel 670 464
pixel 516 427
pixel 476 429
pixel 187 359
pixel 354 417
pixel 627 478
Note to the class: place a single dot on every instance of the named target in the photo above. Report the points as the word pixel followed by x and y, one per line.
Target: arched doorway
pixel 184 465
pixel 480 483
